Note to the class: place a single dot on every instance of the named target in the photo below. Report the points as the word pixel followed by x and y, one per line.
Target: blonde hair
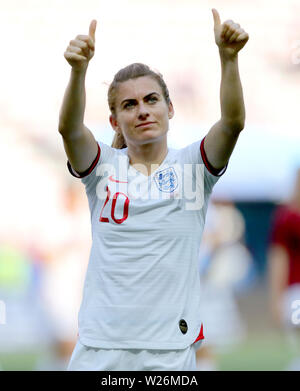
pixel 132 71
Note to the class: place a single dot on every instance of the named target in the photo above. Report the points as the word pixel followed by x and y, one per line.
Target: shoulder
pixel 188 154
pixel 195 154
pixel 109 154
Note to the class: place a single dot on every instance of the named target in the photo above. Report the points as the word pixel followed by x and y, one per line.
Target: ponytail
pixel 118 141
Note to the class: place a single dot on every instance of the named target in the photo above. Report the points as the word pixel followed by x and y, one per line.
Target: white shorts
pixel 85 358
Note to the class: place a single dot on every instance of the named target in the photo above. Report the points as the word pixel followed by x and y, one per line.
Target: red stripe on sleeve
pixel 89 170
pixel 211 169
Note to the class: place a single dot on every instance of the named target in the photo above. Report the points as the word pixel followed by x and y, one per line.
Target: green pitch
pixel 258 353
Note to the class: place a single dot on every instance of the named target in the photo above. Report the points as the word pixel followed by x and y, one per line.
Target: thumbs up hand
pixel 229 36
pixel 81 49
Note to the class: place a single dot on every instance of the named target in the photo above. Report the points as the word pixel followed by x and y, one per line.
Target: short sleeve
pixel 89 177
pixel 195 154
pixel 89 170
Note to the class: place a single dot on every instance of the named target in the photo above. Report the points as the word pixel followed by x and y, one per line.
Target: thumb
pixel 92 29
pixel 217 20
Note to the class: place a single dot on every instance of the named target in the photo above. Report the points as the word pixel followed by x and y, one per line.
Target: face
pixel 142 113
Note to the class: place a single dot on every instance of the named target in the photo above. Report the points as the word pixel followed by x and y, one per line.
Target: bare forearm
pixel 222 137
pixel 231 93
pixel 72 110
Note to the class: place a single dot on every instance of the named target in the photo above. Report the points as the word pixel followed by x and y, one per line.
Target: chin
pixel 154 137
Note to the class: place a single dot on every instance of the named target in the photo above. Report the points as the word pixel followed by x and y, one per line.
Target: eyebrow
pixel 145 97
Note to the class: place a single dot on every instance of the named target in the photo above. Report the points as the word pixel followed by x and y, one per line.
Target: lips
pixel 144 124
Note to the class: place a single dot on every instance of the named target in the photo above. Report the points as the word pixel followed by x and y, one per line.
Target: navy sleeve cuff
pixel 210 168
pixel 86 172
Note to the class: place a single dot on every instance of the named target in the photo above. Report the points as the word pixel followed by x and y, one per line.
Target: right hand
pixel 81 49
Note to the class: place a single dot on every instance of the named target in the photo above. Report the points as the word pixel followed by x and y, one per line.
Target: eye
pixel 128 105
pixel 152 99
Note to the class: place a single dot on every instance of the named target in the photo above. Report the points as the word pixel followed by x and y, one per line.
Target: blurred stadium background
pixel 44 226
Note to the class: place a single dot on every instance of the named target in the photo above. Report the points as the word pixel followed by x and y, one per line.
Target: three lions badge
pixel 166 180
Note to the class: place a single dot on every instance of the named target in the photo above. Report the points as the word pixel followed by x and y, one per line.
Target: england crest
pixel 166 180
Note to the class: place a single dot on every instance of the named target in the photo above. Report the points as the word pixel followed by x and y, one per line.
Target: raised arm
pixel 79 143
pixel 222 137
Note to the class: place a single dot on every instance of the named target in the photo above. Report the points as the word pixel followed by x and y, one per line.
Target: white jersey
pixel 142 288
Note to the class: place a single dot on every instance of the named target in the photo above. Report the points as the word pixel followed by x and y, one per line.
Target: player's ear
pixel 171 110
pixel 114 123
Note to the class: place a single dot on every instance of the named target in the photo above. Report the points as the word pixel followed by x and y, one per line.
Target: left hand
pixel 229 36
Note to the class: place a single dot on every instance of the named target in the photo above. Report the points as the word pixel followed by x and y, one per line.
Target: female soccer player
pixel 141 295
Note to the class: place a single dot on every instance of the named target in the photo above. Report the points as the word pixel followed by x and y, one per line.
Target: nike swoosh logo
pixel 115 180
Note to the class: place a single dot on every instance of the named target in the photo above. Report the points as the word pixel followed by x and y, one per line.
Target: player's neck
pixel 146 158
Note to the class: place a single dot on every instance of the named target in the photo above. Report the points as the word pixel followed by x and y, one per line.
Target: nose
pixel 142 112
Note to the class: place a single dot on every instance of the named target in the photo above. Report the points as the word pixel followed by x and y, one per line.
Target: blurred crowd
pixel 41 277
